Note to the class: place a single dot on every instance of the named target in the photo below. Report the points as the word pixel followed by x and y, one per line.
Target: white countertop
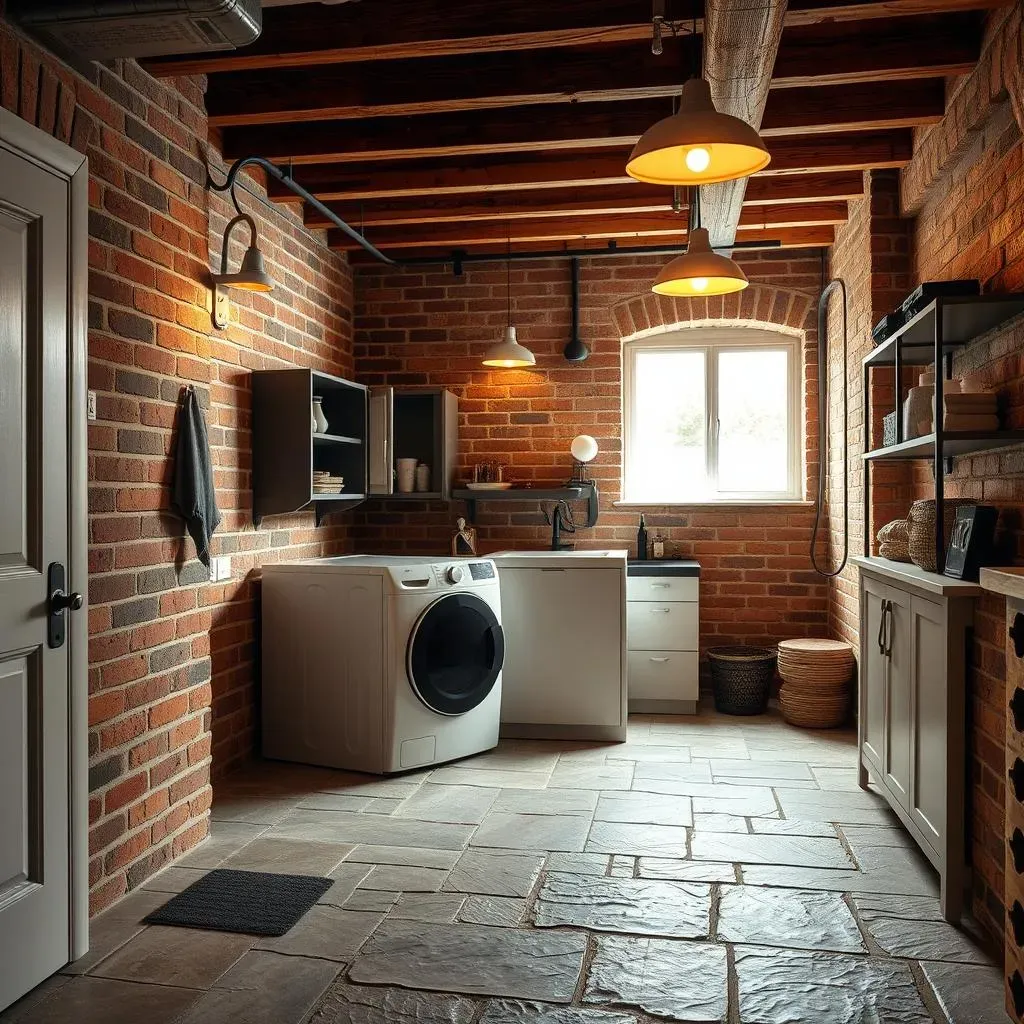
pixel 575 559
pixel 1007 580
pixel 915 576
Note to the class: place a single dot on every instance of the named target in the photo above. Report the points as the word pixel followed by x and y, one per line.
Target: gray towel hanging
pixel 193 496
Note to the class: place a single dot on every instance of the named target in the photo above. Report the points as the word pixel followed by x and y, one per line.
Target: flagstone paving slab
pixel 786 986
pixel 686 870
pixel 799 851
pixel 682 981
pixel 471 958
pixel 793 918
pixel 500 911
pixel 644 809
pixel 345 1003
pixel 968 994
pixel 565 832
pixel 498 872
pixel 507 1011
pixel 633 905
pixel 637 840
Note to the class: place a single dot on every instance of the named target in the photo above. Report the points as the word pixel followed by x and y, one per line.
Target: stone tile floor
pixel 710 869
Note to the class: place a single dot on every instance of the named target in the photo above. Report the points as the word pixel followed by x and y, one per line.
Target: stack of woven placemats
pixel 816 678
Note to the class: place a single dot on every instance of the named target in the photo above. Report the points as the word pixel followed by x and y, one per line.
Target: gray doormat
pixel 251 902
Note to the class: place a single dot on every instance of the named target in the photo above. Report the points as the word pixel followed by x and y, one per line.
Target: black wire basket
pixel 741 677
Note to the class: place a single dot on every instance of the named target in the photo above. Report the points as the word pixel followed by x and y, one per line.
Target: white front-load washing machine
pixel 380 663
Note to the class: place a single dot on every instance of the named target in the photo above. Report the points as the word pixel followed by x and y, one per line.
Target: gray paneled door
pixel 35 482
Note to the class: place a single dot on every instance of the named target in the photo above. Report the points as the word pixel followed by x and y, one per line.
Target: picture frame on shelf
pixel 971 541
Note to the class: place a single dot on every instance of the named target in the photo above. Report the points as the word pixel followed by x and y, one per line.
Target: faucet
pixel 559 520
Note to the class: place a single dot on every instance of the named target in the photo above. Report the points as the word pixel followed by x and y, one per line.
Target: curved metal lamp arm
pixel 290 183
pixel 242 217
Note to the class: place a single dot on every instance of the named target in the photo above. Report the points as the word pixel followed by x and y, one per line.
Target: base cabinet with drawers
pixel 662 631
pixel 914 633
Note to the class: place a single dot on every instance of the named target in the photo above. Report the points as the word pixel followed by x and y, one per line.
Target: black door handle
pixel 59 602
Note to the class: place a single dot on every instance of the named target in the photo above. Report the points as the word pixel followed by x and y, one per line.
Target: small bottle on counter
pixel 641 539
pixel 658 546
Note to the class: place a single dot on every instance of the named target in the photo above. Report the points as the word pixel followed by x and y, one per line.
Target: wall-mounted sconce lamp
pixel 251 276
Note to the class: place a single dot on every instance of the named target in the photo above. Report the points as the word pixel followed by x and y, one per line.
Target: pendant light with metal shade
pixel 700 270
pixel 697 145
pixel 508 354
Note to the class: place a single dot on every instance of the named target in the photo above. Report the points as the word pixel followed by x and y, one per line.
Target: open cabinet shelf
pixel 931 337
pixel 286 450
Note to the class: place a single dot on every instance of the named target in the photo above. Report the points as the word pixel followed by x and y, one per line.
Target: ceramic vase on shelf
pixel 319 419
pixel 422 477
pixel 406 475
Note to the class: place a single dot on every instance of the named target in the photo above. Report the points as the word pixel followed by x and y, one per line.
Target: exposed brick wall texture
pixel 871 255
pixel 970 212
pixel 426 327
pixel 171 656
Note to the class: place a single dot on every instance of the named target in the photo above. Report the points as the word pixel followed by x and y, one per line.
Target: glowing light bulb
pixel 697 159
pixel 698 284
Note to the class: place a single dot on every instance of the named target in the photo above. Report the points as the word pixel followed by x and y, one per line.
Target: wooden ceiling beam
pixel 317 34
pixel 810 154
pixel 551 229
pixel 862 107
pixel 865 52
pixel 612 199
pixel 784 238
pixel 741 44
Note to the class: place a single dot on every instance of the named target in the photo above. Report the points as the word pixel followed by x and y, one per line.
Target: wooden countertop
pixel 1007 580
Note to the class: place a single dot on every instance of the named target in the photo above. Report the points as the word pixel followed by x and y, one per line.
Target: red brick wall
pixel 871 255
pixel 427 327
pixel 967 188
pixel 171 674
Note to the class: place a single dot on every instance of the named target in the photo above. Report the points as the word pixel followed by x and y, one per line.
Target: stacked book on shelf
pixel 325 483
pixel 970 411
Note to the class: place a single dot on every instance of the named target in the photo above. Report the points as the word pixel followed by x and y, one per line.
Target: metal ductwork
pixel 105 29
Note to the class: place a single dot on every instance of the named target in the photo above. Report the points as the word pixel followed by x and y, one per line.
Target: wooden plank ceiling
pixel 474 125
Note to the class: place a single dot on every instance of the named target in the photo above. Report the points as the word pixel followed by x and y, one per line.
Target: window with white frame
pixel 712 415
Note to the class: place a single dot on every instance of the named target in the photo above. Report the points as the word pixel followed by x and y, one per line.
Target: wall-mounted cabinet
pixel 413 424
pixel 288 450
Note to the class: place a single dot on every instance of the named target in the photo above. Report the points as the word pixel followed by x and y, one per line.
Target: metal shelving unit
pixel 931 337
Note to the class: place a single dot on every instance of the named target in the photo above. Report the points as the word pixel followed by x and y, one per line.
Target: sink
pixel 571 552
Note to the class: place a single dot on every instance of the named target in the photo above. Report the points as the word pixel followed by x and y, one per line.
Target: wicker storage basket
pixel 894 540
pixel 741 677
pixel 921 529
pixel 816 677
pixel 825 711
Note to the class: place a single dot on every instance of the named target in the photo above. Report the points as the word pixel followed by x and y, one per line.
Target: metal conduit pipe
pixel 457 257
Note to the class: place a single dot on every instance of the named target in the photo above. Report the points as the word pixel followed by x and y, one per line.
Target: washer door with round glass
pixel 455 655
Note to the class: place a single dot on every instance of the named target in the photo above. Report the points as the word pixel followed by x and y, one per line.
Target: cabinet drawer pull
pixel 660 586
pixel 659 660
pixel 662 611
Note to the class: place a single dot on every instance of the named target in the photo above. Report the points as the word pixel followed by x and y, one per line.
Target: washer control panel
pixel 453 574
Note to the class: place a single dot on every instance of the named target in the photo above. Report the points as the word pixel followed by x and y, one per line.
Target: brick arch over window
pixel 761 306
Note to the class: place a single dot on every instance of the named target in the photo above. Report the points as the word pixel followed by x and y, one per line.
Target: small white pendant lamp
pixel 700 270
pixel 508 354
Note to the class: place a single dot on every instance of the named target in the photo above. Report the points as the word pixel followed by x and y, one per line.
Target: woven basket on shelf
pixel 894 541
pixel 816 677
pixel 921 529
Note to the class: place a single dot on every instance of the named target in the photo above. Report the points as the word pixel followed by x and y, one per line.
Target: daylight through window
pixel 712 415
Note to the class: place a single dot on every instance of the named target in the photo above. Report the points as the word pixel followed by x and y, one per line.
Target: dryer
pixel 380 663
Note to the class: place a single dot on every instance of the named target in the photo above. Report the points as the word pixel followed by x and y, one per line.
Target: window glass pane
pixel 668 446
pixel 753 452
